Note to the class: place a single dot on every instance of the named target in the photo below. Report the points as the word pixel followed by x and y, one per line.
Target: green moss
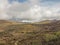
pixel 58 34
pixel 49 37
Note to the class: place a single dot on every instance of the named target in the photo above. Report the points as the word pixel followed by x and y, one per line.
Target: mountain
pixel 40 33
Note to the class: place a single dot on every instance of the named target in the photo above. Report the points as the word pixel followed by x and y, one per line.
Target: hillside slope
pixel 42 33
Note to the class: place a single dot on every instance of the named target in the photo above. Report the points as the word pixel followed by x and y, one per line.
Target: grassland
pixel 41 33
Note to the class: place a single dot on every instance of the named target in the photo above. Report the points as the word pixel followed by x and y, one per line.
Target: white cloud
pixel 3 8
pixel 29 11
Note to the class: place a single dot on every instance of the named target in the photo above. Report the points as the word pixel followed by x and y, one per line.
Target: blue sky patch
pixel 20 1
pixel 42 2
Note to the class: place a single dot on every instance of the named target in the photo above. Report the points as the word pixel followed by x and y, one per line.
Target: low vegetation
pixel 41 33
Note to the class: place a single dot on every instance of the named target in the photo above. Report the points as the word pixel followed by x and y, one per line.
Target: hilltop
pixel 40 33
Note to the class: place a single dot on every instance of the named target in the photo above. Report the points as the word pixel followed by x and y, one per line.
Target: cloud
pixel 29 11
pixel 3 8
pixel 25 11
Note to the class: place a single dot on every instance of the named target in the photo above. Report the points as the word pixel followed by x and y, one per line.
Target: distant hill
pixel 40 33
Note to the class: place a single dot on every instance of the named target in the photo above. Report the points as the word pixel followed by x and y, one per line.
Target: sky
pixel 29 10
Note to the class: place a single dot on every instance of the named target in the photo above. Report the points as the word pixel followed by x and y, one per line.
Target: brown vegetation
pixel 42 33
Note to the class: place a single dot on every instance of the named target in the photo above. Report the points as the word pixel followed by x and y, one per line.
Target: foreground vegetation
pixel 44 33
